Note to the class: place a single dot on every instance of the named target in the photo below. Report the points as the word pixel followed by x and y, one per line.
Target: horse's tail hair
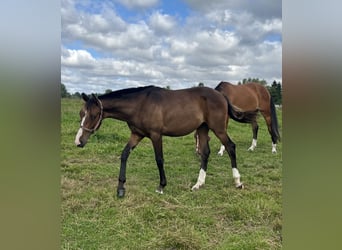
pixel 274 122
pixel 241 116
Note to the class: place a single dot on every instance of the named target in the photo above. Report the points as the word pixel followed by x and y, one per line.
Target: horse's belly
pixel 181 127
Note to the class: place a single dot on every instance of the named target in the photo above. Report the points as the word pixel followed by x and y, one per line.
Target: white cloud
pixel 223 42
pixel 138 3
pixel 162 23
pixel 77 58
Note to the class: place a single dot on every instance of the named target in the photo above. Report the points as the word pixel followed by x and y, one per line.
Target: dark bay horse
pixel 153 112
pixel 252 96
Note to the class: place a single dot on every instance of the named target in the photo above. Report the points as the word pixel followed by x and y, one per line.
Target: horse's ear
pixel 94 96
pixel 85 97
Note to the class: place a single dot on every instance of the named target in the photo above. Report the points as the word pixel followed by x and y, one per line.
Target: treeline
pixel 275 89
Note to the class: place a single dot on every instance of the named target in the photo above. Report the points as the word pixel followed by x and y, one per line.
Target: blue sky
pixel 114 44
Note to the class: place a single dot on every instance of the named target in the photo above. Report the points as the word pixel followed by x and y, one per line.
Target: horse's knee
pixel 230 146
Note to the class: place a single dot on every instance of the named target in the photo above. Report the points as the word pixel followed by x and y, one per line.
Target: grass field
pixel 218 216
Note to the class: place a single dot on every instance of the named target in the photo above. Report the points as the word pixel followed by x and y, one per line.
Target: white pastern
pixel 222 148
pixel 78 136
pixel 159 191
pixel 253 146
pixel 236 176
pixel 200 180
pixel 274 148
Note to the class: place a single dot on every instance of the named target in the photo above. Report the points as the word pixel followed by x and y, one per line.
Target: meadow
pixel 218 216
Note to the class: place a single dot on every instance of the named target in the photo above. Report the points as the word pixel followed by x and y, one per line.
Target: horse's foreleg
pixel 255 129
pixel 158 152
pixel 133 141
pixel 230 147
pixel 204 152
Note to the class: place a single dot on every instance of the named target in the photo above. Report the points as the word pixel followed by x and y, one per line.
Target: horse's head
pixel 91 116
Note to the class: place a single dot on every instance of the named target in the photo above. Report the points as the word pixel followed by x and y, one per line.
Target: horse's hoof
pixel 196 187
pixel 241 186
pixel 121 193
pixel 159 191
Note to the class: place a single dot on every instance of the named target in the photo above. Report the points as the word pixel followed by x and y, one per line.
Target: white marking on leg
pixel 197 143
pixel 236 176
pixel 274 148
pixel 253 146
pixel 222 148
pixel 159 191
pixel 200 180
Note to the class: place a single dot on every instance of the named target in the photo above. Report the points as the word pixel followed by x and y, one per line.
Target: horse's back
pixel 189 97
pixel 248 96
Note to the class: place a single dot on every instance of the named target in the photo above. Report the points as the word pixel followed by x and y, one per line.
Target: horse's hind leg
pixel 158 152
pixel 267 117
pixel 202 133
pixel 255 129
pixel 230 147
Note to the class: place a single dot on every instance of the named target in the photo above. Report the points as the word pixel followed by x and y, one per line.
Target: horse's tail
pixel 274 122
pixel 241 116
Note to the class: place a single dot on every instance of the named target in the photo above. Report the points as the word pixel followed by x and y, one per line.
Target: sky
pixel 116 44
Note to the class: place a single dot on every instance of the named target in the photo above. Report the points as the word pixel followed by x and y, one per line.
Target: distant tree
pixel 245 80
pixel 263 82
pixel 276 92
pixel 201 84
pixel 77 95
pixel 108 91
pixel 168 87
pixel 64 92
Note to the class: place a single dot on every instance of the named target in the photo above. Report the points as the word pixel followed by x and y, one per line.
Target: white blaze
pixel 78 136
pixel 80 131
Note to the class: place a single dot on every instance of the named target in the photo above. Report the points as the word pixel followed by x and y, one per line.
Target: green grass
pixel 218 216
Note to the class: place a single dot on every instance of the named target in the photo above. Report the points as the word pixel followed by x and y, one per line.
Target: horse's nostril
pixel 80 145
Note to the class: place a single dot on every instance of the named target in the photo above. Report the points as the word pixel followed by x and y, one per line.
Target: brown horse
pixel 153 112
pixel 252 96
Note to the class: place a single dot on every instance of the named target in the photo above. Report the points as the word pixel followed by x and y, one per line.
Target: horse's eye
pixel 92 117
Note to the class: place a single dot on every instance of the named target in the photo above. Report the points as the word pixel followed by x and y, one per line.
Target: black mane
pixel 124 92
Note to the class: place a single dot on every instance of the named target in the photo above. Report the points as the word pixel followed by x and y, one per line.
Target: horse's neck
pixel 121 109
